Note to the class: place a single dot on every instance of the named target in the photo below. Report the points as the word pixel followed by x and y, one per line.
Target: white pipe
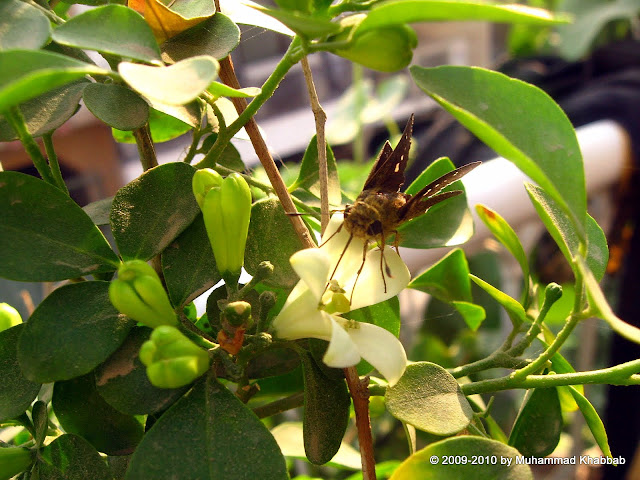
pixel 499 185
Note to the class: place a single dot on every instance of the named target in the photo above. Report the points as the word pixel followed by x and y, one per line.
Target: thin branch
pixel 146 149
pixel 282 405
pixel 360 394
pixel 321 119
pixel 54 165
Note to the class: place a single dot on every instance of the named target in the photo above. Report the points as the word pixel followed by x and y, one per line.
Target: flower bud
pixel 237 314
pixel 172 360
pixel 227 210
pixel 14 460
pixel 139 294
pixel 9 316
pixel 203 181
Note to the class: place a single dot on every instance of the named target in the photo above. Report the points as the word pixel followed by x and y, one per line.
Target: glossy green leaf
pixel 221 90
pixel 47 112
pixel 80 317
pixel 268 220
pixel 447 280
pixel 592 419
pixel 473 314
pixel 122 380
pixel 536 431
pixel 26 74
pixel 430 399
pixel 427 463
pixel 307 26
pixel 176 84
pixel 40 419
pixel 289 436
pixel 326 412
pixel 99 210
pixel 534 133
pixel 70 457
pixel 164 127
pixel 112 29
pixel 512 306
pixel 601 308
pixel 45 235
pixel 148 213
pixel 591 17
pixel 565 235
pixel 81 410
pixel 17 391
pixel 308 174
pixel 505 235
pixel 188 264
pixel 208 434
pixel 19 18
pixel 117 106
pixel 445 224
pixel 407 11
pixel 217 37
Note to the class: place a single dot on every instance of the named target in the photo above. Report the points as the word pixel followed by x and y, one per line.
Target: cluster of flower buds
pixel 172 360
pixel 226 208
pixel 139 294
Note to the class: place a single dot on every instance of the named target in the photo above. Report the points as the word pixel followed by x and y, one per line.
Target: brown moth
pixel 381 208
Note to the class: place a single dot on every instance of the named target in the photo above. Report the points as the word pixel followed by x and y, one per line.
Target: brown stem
pixel 146 150
pixel 320 118
pixel 228 76
pixel 360 394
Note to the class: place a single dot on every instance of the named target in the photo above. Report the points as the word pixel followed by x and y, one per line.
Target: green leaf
pixel 306 26
pixel 17 391
pixel 122 380
pixel 70 457
pixel 565 235
pixel 40 418
pixel 47 112
pixel 99 210
pixel 22 26
pixel 601 308
pixel 308 175
pixel 176 84
pixel 473 314
pixel 81 410
pixel 217 37
pixel 513 307
pixel 534 133
pixel 407 11
pixel 245 13
pixel 326 412
pixel 591 17
pixel 208 434
pixel 289 436
pixel 71 332
pixel 150 212
pixel 428 462
pixel 26 74
pixel 559 364
pixel 268 220
pixel 430 399
pixel 117 106
pixel 505 235
pixel 445 224
pixel 45 235
pixel 592 418
pixel 164 127
pixel 536 431
pixel 112 29
pixel 221 90
pixel 447 280
pixel 295 5
pixel 188 264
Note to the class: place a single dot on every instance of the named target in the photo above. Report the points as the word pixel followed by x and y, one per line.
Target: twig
pixel 321 119
pixel 292 401
pixel 54 165
pixel 360 394
pixel 228 76
pixel 146 150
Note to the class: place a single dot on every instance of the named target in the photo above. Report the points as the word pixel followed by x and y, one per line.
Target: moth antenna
pixel 333 235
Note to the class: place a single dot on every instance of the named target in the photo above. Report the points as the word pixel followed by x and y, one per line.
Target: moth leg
pixel 340 258
pixel 364 257
pixel 333 235
pixel 383 261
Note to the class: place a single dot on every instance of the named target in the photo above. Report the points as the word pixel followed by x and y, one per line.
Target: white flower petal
pixel 342 352
pixel 370 287
pixel 302 319
pixel 312 266
pixel 343 248
pixel 380 348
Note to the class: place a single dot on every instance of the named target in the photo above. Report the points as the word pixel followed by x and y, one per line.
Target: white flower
pixel 313 307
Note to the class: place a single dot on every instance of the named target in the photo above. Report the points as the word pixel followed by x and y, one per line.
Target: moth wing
pixel 387 174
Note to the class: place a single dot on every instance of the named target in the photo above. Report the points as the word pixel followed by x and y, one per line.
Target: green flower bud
pixel 203 181
pixel 139 294
pixel 226 212
pixel 9 316
pixel 238 314
pixel 386 49
pixel 172 360
pixel 14 460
